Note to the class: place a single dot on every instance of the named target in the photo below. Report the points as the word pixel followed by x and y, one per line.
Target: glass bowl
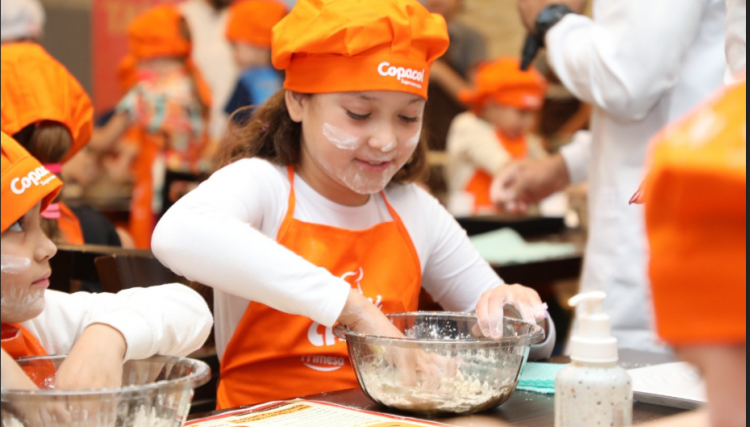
pixel 443 366
pixel 156 392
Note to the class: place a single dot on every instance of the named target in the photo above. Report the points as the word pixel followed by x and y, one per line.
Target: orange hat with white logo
pixel 330 46
pixel 503 82
pixel 25 182
pixel 35 88
pixel 696 216
pixel 252 21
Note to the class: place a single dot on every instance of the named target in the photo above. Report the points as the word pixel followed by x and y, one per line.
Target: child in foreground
pixel 98 332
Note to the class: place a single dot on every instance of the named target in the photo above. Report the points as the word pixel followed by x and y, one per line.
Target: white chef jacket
pixel 642 64
pixel 736 37
pixel 212 54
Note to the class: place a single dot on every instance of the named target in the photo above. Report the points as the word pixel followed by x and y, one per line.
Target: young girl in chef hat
pixel 98 331
pixel 316 219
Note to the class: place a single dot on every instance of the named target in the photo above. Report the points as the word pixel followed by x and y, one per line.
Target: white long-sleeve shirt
pixel 223 234
pixel 168 320
pixel 642 64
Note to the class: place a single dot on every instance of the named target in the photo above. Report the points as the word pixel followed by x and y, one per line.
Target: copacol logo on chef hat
pixel 407 76
pixel 39 177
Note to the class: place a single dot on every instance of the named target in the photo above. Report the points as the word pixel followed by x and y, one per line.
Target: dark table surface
pixel 522 410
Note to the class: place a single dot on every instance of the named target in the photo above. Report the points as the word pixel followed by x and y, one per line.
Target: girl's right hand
pixel 362 316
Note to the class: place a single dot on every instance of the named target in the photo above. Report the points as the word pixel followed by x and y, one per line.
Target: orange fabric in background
pixel 358 45
pixel 70 226
pixel 480 183
pixel 36 87
pixel 696 217
pixel 503 82
pixel 252 21
pixel 381 262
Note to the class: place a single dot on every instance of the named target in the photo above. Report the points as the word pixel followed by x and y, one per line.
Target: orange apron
pixel 274 355
pixel 480 183
pixel 19 342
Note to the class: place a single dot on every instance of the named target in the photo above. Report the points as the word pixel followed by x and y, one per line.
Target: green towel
pixel 506 246
pixel 539 377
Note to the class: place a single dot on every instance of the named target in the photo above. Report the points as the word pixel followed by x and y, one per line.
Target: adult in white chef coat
pixel 642 64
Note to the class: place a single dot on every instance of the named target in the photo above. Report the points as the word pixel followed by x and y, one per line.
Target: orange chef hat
pixel 696 214
pixel 158 32
pixel 252 21
pixel 503 81
pixel 358 45
pixel 25 182
pixel 35 87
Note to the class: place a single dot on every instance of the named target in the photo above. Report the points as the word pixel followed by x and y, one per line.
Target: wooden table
pixel 522 410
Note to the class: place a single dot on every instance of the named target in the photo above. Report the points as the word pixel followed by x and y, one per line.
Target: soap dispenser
pixel 593 391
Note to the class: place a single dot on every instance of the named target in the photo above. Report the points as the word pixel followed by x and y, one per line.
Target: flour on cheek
pixel 340 138
pixel 11 264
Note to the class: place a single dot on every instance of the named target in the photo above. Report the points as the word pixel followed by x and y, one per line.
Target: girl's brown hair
pixel 272 135
pixel 48 142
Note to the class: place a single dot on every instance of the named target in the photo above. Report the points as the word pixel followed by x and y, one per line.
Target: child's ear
pixel 295 105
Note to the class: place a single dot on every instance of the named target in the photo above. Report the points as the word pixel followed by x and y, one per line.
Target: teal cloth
pixel 505 246
pixel 540 377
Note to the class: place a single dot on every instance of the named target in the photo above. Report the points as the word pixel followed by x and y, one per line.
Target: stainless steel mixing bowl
pixel 443 365
pixel 156 392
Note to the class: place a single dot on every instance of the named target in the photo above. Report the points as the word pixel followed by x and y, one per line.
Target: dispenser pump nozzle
pixel 592 342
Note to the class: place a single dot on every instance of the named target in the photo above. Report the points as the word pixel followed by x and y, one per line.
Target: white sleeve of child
pixel 475 140
pixel 169 320
pixel 212 236
pixel 455 274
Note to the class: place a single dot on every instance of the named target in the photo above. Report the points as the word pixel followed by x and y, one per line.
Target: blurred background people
pixel 212 55
pixel 453 73
pixel 249 31
pixel 639 75
pixel 504 102
pixel 169 106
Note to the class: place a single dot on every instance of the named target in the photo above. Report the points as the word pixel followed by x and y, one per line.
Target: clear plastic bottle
pixel 593 391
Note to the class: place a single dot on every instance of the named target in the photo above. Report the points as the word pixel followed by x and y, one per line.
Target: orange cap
pixel 252 21
pixel 358 45
pixel 503 81
pixel 35 87
pixel 25 182
pixel 696 217
pixel 158 32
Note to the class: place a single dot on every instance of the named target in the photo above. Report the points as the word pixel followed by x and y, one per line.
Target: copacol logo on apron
pixel 321 336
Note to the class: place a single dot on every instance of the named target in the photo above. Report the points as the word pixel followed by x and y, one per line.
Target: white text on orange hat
pixel 20 185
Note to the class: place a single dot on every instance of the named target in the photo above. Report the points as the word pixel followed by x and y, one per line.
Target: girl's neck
pixel 327 187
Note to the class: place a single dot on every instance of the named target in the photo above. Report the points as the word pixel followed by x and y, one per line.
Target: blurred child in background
pixel 249 31
pixel 504 105
pixel 48 112
pixel 169 107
